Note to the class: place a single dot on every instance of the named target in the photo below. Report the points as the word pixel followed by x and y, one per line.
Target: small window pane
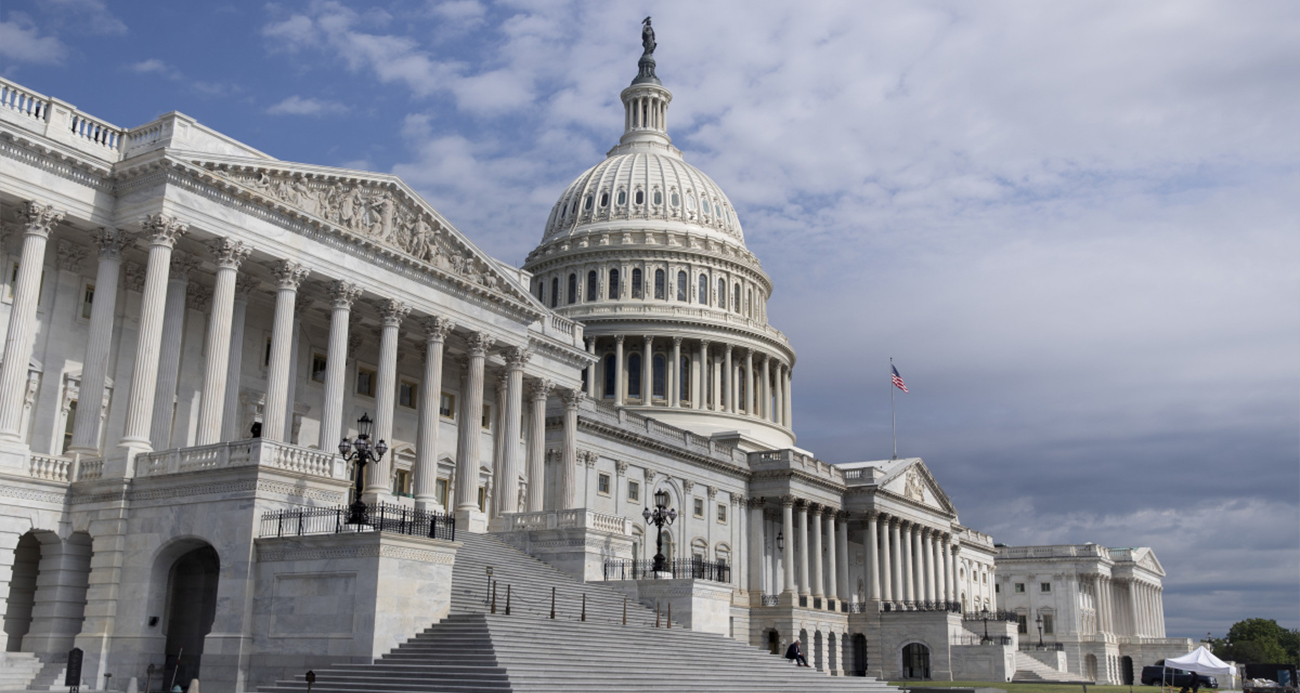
pixel 573 288
pixel 486 421
pixel 613 284
pixel 633 490
pixel 659 198
pixel 704 290
pixel 555 291
pixel 87 301
pixel 591 285
pixel 659 376
pixel 602 484
pixel 640 197
pixel 609 377
pixel 406 394
pixel 634 375
pixel 447 405
pixel 622 197
pixel 636 283
pixel 366 382
pixel 318 368
pixel 699 507
pixel 659 285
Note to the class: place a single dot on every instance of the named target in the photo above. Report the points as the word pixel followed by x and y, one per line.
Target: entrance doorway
pixel 859 655
pixel 774 642
pixel 916 661
pixel 1126 670
pixel 191 609
pixel 22 591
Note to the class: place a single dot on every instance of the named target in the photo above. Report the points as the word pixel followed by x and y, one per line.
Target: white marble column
pixel 843 589
pixel 469 429
pixel 39 221
pixel 288 275
pixel 941 568
pixel 569 450
pixel 392 313
pixel 778 408
pixel 516 358
pixel 228 254
pixel 498 444
pixel 620 380
pixel 871 539
pixel 592 370
pixel 787 551
pixel 99 343
pixel 698 397
pixel 908 591
pixel 342 296
pixel 675 374
pixel 765 408
pixel 538 394
pixel 927 565
pixel 898 591
pixel 918 577
pixel 749 383
pixel 231 421
pixel 436 330
pixel 647 371
pixel 818 580
pixel 169 356
pixel 162 232
pixel 788 403
pixel 805 583
pixel 729 382
pixel 832 551
pixel 756 545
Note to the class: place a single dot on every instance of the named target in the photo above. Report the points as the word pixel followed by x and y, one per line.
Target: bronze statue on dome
pixel 648 37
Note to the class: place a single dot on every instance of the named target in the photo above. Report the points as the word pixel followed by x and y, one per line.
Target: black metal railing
pixel 861 607
pixel 771 600
pixel 971 639
pixel 1047 646
pixel 396 519
pixel 682 568
pixel 1008 616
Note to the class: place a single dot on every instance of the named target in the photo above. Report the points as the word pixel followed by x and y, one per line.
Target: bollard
pixel 494 597
pixel 507 599
pixel 625 614
pixel 311 678
pixel 552 603
pixel 670 615
pixel 656 614
pixel 584 607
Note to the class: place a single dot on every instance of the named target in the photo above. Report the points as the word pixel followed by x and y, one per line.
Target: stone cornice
pixel 55 158
pixel 717 333
pixel 584 256
pixel 589 425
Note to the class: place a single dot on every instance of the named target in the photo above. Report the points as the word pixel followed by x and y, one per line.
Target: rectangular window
pixel 722 513
pixel 486 422
pixel 402 483
pixel 407 392
pixel 447 406
pixel 699 507
pixel 482 499
pixel 440 491
pixel 634 491
pixel 1020 588
pixel 1045 587
pixel 1022 624
pixel 602 484
pixel 87 300
pixel 365 381
pixel 997 589
pixel 318 367
pixel 266 360
pixel 69 425
pixel 1049 625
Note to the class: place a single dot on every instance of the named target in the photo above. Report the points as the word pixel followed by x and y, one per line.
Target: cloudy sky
pixel 1074 226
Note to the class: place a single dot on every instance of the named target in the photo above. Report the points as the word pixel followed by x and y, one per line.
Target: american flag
pixel 898 379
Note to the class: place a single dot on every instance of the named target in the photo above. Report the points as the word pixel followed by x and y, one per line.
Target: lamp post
pixel 660 517
pixel 1039 621
pixel 360 453
pixel 984 613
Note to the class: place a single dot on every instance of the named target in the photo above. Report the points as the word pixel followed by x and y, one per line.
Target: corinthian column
pixel 288 275
pixel 619 367
pixel 749 383
pixel 765 409
pixel 787 551
pixel 392 312
pixel 426 445
pixel 229 254
pixel 40 220
pixel 85 430
pixel 729 396
pixel 569 456
pixel 468 432
pixel 804 582
pixel 540 391
pixel 342 296
pixel 832 571
pixel 675 375
pixel 516 358
pixel 897 593
pixel 235 360
pixel 818 581
pixel 873 556
pixel 162 232
pixel 169 357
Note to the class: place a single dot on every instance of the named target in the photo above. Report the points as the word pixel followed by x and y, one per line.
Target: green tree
pixel 1258 640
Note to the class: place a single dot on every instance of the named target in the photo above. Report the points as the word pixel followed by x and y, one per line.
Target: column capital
pixel 393 312
pixel 843 516
pixel 69 255
pixel 738 499
pixel 541 389
pixel 704 347
pixel 620 467
pixel 649 477
pixel 182 265
pixel 572 398
pixel 163 229
pixel 589 457
pixel 134 274
pixel 228 252
pixel 198 297
pixel 728 348
pixel 289 274
pixel 813 508
pixel 110 241
pixel 618 339
pixel 787 501
pixel 756 501
pixel 502 382
pixel 343 294
pixel 517 357
pixel 894 522
pixel 479 343
pixel 245 285
pixel 436 329
pixel 677 342
pixel 39 219
pixel 711 492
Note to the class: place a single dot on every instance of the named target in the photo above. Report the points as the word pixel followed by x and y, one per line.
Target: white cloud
pixel 20 41
pixel 86 16
pixel 297 105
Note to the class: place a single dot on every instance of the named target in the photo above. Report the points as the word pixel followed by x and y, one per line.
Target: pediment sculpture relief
pixel 913 488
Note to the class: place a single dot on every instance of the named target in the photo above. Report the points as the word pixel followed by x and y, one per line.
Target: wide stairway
pixel 474 650
pixel 1030 670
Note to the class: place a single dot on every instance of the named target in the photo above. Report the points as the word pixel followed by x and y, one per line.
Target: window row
pixel 407 390
pixel 737 300
pixel 710 208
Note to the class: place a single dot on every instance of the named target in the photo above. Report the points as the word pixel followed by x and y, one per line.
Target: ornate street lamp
pixel 660 517
pixel 363 454
pixel 780 540
pixel 1039 621
pixel 984 613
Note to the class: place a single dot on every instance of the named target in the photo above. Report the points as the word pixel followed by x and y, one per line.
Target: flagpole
pixel 893 420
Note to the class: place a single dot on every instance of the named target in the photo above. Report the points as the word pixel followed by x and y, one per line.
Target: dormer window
pixel 706 206
pixel 604 199
pixel 690 202
pixel 622 197
pixel 677 201
pixel 640 197
pixel 587 205
pixel 659 198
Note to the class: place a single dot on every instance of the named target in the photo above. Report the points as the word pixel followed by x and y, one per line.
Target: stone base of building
pixel 697 604
pixel 576 542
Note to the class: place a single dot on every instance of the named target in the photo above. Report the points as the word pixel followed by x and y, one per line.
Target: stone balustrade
pixel 49 467
pixel 241 453
pixel 577 518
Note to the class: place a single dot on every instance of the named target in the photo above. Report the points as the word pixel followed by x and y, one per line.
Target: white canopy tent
pixel 1201 661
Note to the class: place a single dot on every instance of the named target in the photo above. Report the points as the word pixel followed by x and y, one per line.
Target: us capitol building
pixel 192 326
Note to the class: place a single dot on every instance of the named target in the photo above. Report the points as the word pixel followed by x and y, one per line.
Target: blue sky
pixel 1073 225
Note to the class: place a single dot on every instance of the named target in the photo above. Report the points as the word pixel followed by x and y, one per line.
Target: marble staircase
pixel 475 650
pixel 1030 670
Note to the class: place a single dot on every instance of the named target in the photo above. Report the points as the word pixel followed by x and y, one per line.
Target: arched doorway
pixel 22 591
pixel 819 651
pixel 774 642
pixel 1090 667
pixel 191 608
pixel 1126 670
pixel 859 654
pixel 832 652
pixel 916 661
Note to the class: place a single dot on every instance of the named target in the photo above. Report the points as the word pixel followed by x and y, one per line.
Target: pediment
pixel 376 208
pixel 914 482
pixel 1148 560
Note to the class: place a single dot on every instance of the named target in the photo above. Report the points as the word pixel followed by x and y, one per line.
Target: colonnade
pixel 1140 608
pixel 694 374
pixel 158 353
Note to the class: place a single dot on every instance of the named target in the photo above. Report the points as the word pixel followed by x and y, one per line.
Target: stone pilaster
pixel 288 275
pixel 228 254
pixel 756 542
pixel 40 219
pixel 436 330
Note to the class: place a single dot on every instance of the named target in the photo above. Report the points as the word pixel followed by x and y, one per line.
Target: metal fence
pixel 1008 616
pixel 1047 646
pixel 969 639
pixel 396 519
pixel 692 568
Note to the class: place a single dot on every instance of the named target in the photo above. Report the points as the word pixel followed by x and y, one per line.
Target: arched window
pixel 610 376
pixel 640 197
pixel 659 285
pixel 555 291
pixel 666 538
pixel 683 379
pixel 749 301
pixel 660 377
pixel 591 285
pixel 622 198
pixel 704 290
pixel 659 198
pixel 541 290
pixel 634 375
pixel 735 298
pixel 636 283
pixel 604 199
pixel 613 284
pixel 586 205
pixel 573 288
pixel 722 293
pixel 681 286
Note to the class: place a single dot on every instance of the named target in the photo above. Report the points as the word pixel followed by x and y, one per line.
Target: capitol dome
pixel 647 252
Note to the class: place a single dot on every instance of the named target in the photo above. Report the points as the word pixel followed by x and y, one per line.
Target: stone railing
pixel 577 518
pixel 91 468
pixel 241 453
pixel 60 121
pixel 50 467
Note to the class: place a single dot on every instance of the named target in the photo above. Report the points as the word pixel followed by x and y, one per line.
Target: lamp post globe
pixel 360 452
pixel 984 613
pixel 660 517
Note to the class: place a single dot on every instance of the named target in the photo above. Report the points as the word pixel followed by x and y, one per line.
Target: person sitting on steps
pixel 796 653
